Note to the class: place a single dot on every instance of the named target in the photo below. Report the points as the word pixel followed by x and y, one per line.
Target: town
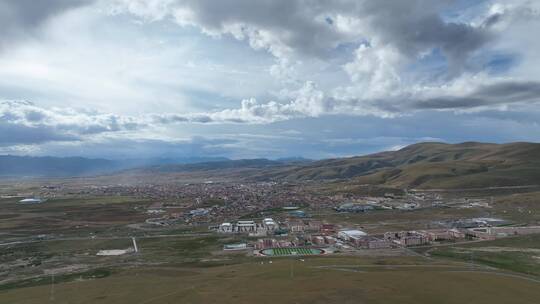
pixel 211 223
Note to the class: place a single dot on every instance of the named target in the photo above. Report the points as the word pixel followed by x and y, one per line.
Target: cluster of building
pixel 471 223
pixel 225 200
pixel 360 239
pixel 299 241
pixel 354 207
pixel 370 204
pixel 423 237
pixel 490 233
pixel 266 226
pixel 327 238
pixel 273 243
pixel 305 226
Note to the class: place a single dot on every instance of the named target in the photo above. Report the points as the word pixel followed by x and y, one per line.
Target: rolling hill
pixel 429 165
pixel 422 166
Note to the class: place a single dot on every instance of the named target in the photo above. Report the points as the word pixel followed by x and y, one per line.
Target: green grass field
pixel 314 280
pixel 291 251
pixel 518 254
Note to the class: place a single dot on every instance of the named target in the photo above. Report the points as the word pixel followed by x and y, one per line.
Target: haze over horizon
pixel 270 79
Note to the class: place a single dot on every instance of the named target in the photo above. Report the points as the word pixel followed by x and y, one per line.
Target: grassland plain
pixel 287 280
pixel 68 215
pixel 519 254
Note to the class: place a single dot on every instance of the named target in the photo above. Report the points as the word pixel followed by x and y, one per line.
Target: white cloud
pixel 166 65
pixel 68 120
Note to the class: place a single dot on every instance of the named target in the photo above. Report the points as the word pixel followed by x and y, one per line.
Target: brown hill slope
pixel 429 165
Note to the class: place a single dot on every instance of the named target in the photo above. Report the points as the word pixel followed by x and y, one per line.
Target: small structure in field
pixel 32 201
pixel 113 252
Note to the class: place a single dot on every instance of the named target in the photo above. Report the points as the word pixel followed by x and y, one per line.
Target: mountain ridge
pixel 420 165
pixel 51 166
pixel 431 165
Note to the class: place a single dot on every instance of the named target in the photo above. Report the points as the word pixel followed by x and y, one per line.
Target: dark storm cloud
pixel 21 17
pixel 487 95
pixel 292 23
pixel 510 91
pixel 303 26
pixel 13 134
pixel 417 26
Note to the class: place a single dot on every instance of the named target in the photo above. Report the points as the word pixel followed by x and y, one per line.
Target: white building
pixel 269 224
pixel 225 228
pixel 241 246
pixel 246 226
pixel 351 235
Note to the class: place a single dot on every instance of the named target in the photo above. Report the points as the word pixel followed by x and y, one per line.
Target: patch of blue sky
pixel 463 10
pixel 432 67
pixel 493 62
pixel 501 63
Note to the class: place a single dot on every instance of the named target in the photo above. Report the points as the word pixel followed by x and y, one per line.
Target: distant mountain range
pixel 27 166
pixel 19 166
pixel 422 165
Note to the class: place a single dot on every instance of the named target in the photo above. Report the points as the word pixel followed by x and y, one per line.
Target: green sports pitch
pixel 291 251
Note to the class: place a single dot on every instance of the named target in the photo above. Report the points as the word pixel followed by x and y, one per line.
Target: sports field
pixel 291 251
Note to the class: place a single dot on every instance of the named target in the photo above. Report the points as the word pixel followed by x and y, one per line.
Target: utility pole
pixel 135 245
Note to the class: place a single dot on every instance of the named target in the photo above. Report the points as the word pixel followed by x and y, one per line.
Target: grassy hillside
pixel 421 166
pixel 430 165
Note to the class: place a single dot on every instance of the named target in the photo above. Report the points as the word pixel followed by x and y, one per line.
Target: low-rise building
pixel 413 240
pixel 493 232
pixel 263 244
pixel 317 240
pixel 199 212
pixel 225 228
pixel 443 234
pixel 379 244
pixel 351 235
pixel 240 246
pixel 328 228
pixel 330 240
pixel 296 226
pixel 246 226
pixel 269 224
pixel 407 238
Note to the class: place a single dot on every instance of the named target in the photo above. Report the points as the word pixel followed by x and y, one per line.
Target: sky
pixel 267 78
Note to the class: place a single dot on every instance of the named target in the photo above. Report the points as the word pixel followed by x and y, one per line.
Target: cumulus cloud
pixel 189 63
pixel 29 122
pixel 314 27
pixel 387 37
pixel 281 27
pixel 24 122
